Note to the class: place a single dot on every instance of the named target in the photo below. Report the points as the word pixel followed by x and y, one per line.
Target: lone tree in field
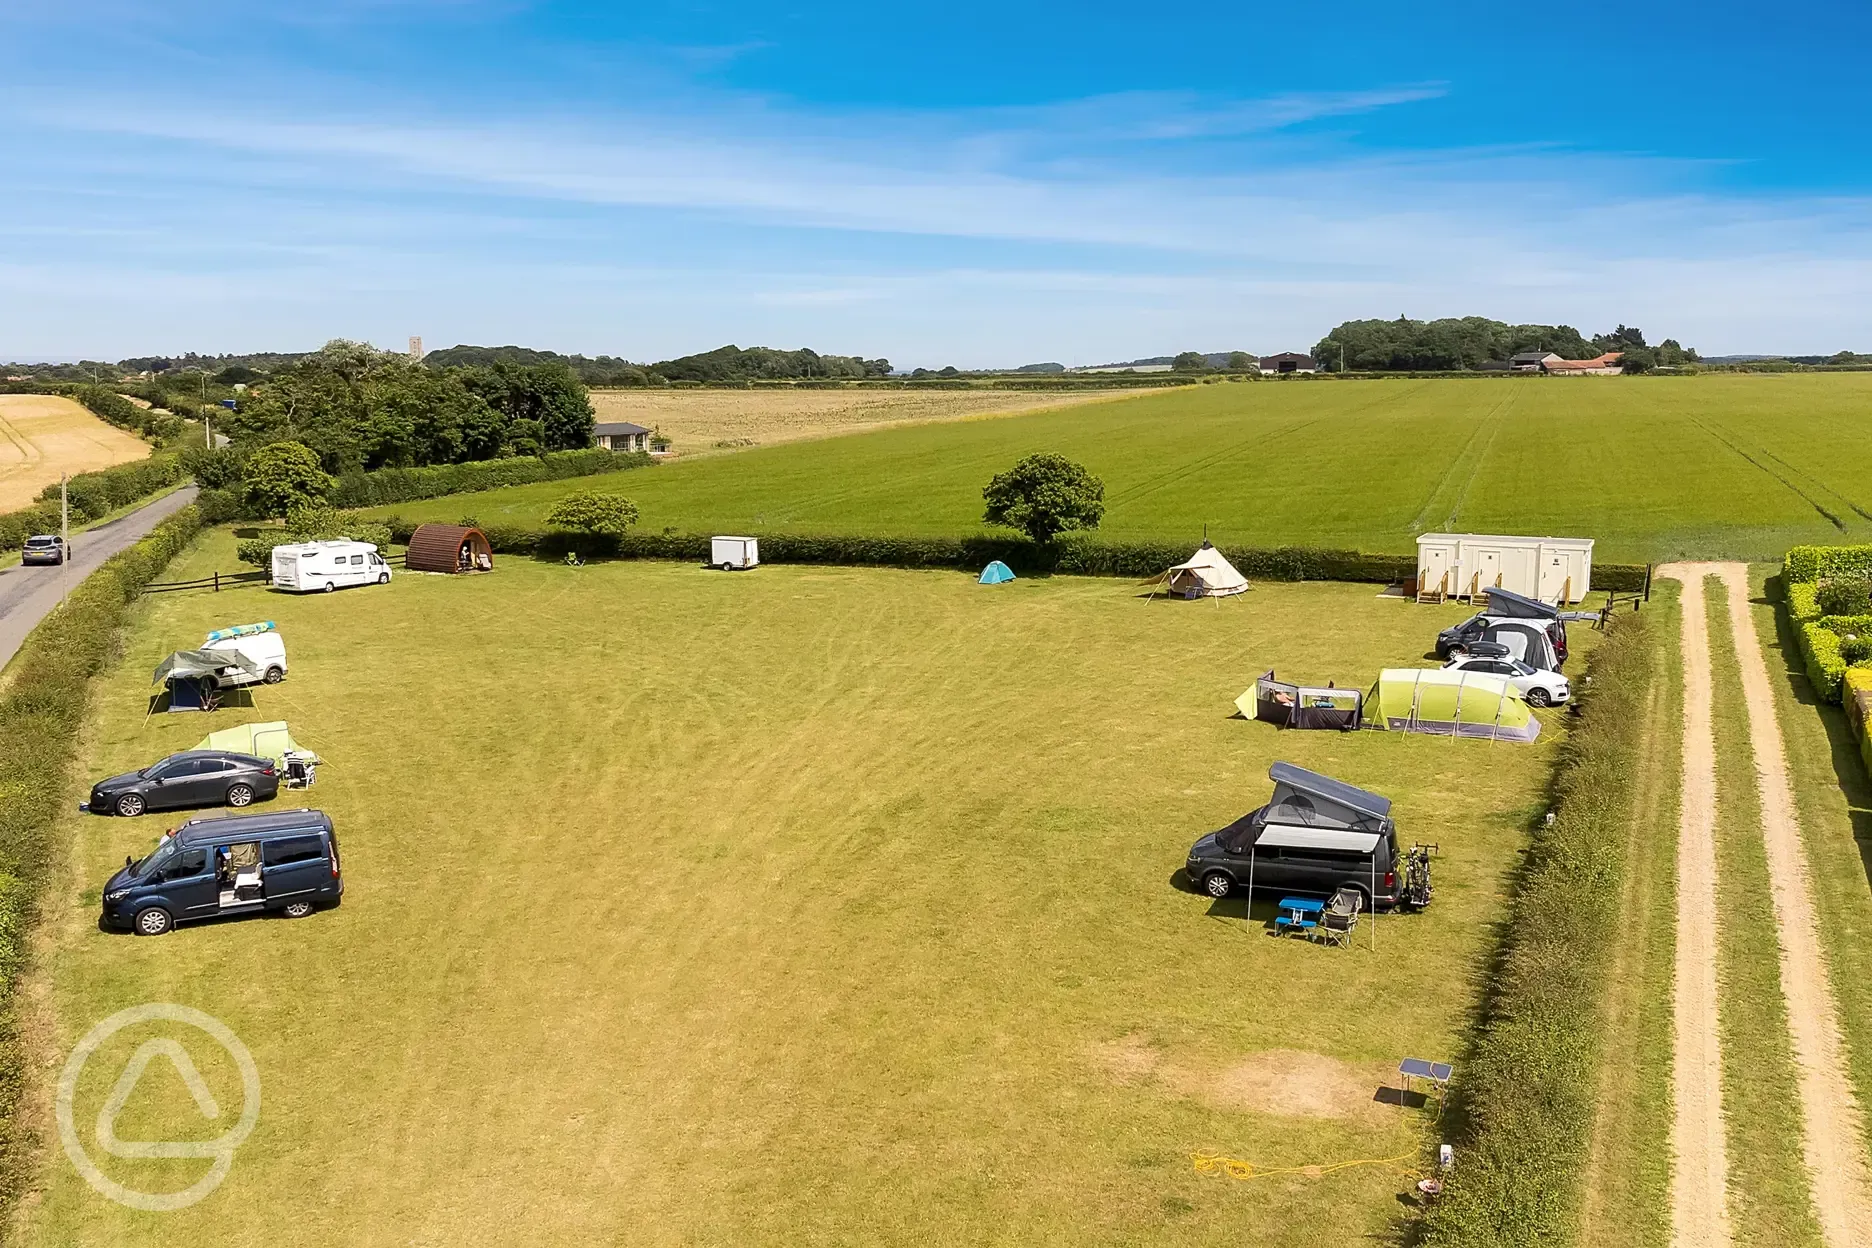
pixel 606 515
pixel 281 476
pixel 1044 496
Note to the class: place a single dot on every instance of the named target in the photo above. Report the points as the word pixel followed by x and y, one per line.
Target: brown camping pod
pixel 449 548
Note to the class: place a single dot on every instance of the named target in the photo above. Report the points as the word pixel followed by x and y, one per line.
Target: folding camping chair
pixel 1339 919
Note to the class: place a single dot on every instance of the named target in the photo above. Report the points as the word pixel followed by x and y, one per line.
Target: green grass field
pixel 811 906
pixel 1654 468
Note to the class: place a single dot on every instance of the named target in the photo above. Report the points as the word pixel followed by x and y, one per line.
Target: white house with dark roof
pixel 621 435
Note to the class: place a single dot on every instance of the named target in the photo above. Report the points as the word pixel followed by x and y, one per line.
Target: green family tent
pixel 996 573
pixel 1449 703
pixel 260 740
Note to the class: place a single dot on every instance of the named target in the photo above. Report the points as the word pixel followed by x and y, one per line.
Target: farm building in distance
pixel 1606 365
pixel 1288 362
pixel 621 435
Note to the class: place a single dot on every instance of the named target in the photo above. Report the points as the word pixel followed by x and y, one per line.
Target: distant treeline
pixel 1471 342
pixel 722 365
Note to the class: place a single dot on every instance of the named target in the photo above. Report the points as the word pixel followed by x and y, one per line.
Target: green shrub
pixel 1844 595
pixel 41 716
pixel 1530 1087
pixel 1860 625
pixel 1855 651
pixel 589 511
pixel 1800 601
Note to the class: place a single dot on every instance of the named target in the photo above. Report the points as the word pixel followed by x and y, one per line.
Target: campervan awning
pixel 1284 836
pixel 187 664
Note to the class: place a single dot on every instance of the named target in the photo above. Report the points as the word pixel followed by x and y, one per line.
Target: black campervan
pixel 284 861
pixel 1317 836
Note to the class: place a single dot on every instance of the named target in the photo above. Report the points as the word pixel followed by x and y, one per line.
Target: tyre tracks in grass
pixel 1699 1178
pixel 1769 1179
pixel 1832 1118
pixel 1722 436
pixel 1490 425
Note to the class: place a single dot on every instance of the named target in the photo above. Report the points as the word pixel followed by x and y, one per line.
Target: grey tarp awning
pixel 1506 602
pixel 191 663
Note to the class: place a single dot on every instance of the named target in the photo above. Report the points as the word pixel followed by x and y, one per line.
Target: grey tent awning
pixel 186 664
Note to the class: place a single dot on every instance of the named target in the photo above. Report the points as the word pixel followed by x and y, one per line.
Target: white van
pixel 305 566
pixel 265 653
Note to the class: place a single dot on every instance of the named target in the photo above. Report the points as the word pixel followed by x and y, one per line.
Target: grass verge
pixel 1768 1178
pixel 41 716
pixel 1528 1093
pixel 1626 1196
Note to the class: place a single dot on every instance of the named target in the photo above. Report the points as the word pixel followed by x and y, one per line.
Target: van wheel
pixel 240 795
pixel 153 921
pixel 383 578
pixel 130 805
pixel 1539 697
pixel 297 909
pixel 1218 885
pixel 329 587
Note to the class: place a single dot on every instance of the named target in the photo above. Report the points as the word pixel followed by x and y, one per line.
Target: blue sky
pixel 958 183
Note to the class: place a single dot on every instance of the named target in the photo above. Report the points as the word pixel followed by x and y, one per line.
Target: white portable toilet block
pixel 1540 567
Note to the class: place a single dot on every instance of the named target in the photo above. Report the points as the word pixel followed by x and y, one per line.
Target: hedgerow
pixel 1077 556
pixel 1805 574
pixel 92 495
pixel 41 715
pixel 1529 1088
pixel 407 485
pixel 1803 565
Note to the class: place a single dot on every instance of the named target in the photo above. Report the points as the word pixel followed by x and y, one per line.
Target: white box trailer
pixel 734 553
pixel 1465 565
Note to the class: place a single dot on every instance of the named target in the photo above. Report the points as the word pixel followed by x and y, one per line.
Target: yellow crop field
pixel 697 420
pixel 43 435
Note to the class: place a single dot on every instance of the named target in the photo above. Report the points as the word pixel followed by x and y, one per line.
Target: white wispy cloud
pixel 334 209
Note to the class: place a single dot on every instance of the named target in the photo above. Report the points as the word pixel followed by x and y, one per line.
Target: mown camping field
pixel 1655 468
pixel 806 906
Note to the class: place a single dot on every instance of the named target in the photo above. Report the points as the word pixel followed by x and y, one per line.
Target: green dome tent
pixel 996 573
pixel 1450 703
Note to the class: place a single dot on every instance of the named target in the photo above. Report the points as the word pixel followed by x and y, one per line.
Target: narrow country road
pixel 1699 1177
pixel 28 595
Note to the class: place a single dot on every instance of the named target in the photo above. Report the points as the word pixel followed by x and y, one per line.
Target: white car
pixel 1538 687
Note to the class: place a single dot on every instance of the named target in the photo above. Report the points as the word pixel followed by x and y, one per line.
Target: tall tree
pixel 1043 496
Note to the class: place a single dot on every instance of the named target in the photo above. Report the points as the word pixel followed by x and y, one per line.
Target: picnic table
pixel 1438 1073
pixel 1299 914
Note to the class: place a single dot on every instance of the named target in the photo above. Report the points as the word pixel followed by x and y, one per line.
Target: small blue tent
pixel 995 573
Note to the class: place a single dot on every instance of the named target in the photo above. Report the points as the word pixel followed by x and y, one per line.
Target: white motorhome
pixel 730 553
pixel 305 566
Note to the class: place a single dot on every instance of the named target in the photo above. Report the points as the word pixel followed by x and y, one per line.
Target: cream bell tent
pixel 1449 703
pixel 1205 574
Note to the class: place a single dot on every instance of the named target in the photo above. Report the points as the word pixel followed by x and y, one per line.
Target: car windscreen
pixel 156 858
